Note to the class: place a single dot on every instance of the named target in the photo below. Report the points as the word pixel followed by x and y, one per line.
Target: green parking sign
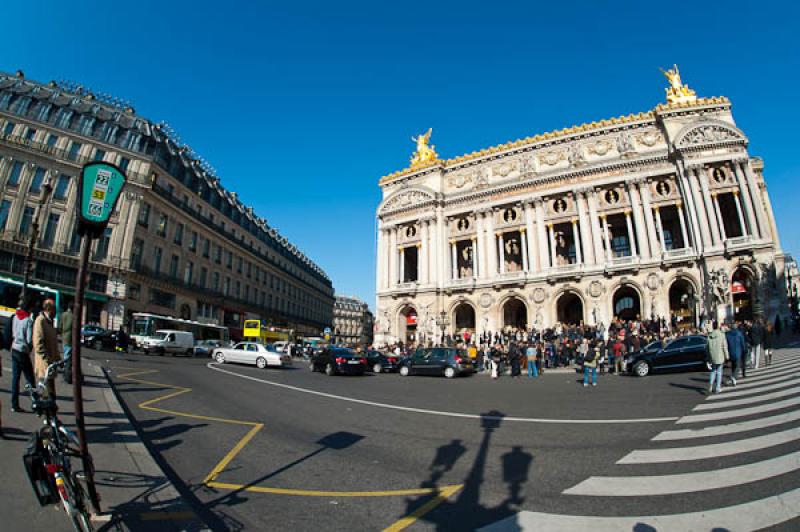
pixel 99 189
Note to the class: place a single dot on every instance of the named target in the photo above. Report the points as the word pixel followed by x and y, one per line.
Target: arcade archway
pixel 407 325
pixel 682 304
pixel 464 320
pixel 515 314
pixel 569 309
pixel 627 305
pixel 742 286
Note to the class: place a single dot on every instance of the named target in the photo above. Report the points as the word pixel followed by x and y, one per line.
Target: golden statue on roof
pixel 425 155
pixel 677 92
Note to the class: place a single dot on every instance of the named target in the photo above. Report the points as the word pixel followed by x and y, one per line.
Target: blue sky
pixel 301 107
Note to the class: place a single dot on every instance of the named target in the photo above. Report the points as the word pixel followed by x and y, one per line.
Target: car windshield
pixel 339 352
pixel 160 336
pixel 652 346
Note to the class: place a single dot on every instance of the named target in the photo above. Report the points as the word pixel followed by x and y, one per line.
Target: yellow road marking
pixel 443 494
pixel 210 482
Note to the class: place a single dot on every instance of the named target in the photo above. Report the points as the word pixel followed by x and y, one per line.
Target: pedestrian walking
pixel 45 344
pixel 736 350
pixel 65 327
pixel 718 355
pixel 530 354
pixel 757 335
pixel 619 357
pixel 768 332
pixel 514 356
pixel 590 366
pixel 22 343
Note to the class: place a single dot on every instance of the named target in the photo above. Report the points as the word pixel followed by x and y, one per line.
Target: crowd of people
pixel 601 349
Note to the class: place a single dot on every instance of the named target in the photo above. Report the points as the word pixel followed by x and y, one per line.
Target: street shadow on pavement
pixel 466 512
pixel 699 389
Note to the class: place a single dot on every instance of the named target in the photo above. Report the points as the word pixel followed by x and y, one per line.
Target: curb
pixel 166 503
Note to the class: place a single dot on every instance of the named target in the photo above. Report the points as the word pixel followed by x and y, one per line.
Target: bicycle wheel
pixel 76 505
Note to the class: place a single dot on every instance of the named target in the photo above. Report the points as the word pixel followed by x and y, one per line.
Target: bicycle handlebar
pixel 49 374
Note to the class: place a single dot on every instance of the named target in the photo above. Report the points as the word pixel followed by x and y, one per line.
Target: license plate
pixel 353 362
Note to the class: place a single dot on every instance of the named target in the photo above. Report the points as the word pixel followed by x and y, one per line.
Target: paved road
pixel 290 449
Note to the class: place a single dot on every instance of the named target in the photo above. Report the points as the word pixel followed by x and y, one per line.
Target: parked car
pixel 337 360
pixel 381 363
pixel 204 348
pixel 97 337
pixel 252 353
pixel 169 341
pixel 280 346
pixel 446 361
pixel 686 352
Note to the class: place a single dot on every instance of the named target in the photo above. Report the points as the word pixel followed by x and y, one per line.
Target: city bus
pixel 144 325
pixel 10 290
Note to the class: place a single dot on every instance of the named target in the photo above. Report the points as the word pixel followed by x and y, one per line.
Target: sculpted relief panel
pixel 406 199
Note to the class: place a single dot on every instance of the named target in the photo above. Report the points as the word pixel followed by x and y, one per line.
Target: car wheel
pixel 219 357
pixel 641 369
pixel 329 371
pixel 449 372
pixel 377 368
pixel 311 367
pixel 404 371
pixel 261 363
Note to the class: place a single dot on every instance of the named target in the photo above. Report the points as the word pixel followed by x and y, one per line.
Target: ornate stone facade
pixel 623 217
pixel 353 323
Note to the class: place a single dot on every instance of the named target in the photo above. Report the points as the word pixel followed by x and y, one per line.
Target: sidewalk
pixel 134 490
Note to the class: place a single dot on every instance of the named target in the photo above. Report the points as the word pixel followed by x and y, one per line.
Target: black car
pixel 381 363
pixel 686 352
pixel 97 337
pixel 337 361
pixel 446 361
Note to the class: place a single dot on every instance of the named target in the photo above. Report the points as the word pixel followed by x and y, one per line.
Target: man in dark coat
pixel 736 349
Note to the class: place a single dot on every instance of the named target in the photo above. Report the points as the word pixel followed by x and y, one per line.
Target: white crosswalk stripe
pixel 794 390
pixel 752 406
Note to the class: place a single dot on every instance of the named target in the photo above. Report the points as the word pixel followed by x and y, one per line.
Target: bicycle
pixel 47 459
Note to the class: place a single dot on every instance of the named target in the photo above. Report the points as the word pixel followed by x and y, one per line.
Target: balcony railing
pixel 738 242
pixel 466 282
pixel 677 254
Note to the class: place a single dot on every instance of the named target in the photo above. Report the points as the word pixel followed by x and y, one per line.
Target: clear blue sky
pixel 302 106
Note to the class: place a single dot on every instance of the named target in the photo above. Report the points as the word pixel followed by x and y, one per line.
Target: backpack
pixel 589 356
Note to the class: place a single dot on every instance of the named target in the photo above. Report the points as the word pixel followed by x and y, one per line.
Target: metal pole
pixel 77 374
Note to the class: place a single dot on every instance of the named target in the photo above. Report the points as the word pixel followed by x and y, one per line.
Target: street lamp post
pixel 443 322
pixel 47 189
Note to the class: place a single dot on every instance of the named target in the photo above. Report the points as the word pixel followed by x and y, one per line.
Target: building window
pixel 179 234
pixel 193 242
pixel 173 266
pixel 203 274
pixel 123 163
pixel 25 223
pixel 134 291
pixel 16 171
pixel 218 254
pixel 144 215
pixel 188 271
pixel 50 231
pixel 206 247
pixel 51 140
pixel 238 289
pixel 36 182
pixel 239 265
pixel 75 243
pixel 228 259
pixel 99 154
pixel 162 225
pixel 215 282
pixel 136 253
pixel 102 245
pixel 74 149
pixel 5 209
pixel 9 129
pixel 29 134
pixel 161 298
pixel 157 260
pixel 227 288
pixel 62 185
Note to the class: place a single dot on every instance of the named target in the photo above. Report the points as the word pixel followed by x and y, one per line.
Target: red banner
pixel 738 288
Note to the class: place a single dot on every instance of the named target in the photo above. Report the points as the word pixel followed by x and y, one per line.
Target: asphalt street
pixel 290 449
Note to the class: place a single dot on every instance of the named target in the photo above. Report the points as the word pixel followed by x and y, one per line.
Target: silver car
pixel 253 353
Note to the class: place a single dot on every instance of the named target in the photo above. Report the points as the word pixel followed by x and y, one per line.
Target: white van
pixel 169 341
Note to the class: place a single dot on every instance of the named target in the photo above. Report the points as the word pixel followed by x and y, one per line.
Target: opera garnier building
pixel 661 214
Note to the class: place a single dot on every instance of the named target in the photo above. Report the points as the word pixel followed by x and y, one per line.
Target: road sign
pixel 98 191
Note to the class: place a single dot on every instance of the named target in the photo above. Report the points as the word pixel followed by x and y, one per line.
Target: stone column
pixel 422 266
pixel 638 219
pixel 718 213
pixel 501 252
pixel 530 238
pixel 441 248
pixel 597 233
pixel 524 244
pixel 708 202
pixel 739 212
pixel 491 247
pixel 577 239
pixel 453 260
pixel 679 207
pixel 653 240
pixel 541 236
pixel 587 241
pixel 701 209
pixel 379 263
pixel 606 238
pixel 474 257
pixel 751 199
pixel 553 255
pixel 392 256
pixel 631 236
pixel 761 207
pixel 689 199
pixel 660 229
pixel 401 255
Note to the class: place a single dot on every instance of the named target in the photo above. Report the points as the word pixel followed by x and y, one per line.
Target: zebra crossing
pixel 768 399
